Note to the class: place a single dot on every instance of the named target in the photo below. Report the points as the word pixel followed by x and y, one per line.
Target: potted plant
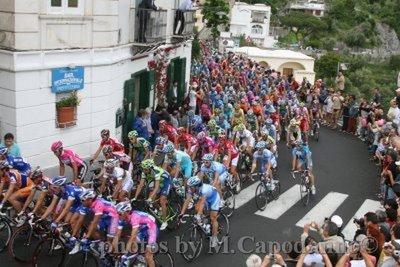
pixel 66 108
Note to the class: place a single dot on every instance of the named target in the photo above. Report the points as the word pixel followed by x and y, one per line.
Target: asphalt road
pixel 345 179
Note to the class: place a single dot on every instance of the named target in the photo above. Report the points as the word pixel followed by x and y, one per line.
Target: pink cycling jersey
pixel 208 145
pixel 138 218
pixel 68 157
pixel 101 206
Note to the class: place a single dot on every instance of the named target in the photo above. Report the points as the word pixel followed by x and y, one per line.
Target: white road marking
pixel 245 195
pixel 325 208
pixel 368 205
pixel 276 208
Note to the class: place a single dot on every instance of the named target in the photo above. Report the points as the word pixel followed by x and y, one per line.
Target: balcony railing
pixel 189 23
pixel 150 26
pixel 258 17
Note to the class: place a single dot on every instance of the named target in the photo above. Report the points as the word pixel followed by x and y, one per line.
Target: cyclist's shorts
pixel 213 204
pixel 108 224
pixel 309 164
pixel 148 234
pixel 166 186
pixel 82 170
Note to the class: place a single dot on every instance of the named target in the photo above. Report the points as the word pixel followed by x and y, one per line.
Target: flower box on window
pixel 66 110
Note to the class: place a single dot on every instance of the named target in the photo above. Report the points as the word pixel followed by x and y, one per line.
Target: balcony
pixel 258 17
pixel 189 24
pixel 150 27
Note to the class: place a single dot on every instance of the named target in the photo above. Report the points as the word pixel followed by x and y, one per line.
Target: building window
pixel 256 29
pixel 67 7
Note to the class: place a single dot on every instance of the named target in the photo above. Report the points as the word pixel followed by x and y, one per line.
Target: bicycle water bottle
pixel 207 228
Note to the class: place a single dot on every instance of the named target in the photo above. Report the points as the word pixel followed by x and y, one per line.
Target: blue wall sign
pixel 67 79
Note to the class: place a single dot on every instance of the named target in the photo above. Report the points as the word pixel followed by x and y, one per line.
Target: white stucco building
pixel 315 7
pixel 39 39
pixel 285 61
pixel 250 21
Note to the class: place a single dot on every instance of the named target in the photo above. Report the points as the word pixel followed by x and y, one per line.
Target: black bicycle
pixel 267 190
pixel 305 185
pixel 6 231
pixel 193 237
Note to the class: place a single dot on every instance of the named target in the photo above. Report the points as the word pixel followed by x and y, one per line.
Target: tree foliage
pixel 216 14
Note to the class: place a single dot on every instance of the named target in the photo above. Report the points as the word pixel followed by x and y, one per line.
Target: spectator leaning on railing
pixel 185 6
pixel 12 146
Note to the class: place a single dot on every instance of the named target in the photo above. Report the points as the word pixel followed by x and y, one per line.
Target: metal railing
pixel 150 26
pixel 189 23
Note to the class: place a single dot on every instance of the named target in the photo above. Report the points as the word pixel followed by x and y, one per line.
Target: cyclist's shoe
pixel 213 241
pixel 76 248
pixel 313 190
pixel 163 226
pixel 303 188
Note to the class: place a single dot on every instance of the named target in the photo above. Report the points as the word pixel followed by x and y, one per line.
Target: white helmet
pixel 123 207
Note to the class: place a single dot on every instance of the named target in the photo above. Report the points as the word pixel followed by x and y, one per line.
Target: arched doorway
pixel 288 68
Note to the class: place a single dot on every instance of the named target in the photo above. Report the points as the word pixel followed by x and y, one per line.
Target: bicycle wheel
pixel 304 192
pixel 23 243
pixel 192 242
pixel 49 252
pixel 261 196
pixel 229 198
pixel 84 259
pixel 223 226
pixel 5 234
pixel 164 260
pixel 174 209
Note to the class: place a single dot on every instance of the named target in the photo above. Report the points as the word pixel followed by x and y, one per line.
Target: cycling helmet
pixel 268 121
pixel 3 150
pixel 193 181
pixel 261 144
pixel 195 120
pixel 132 134
pixel 201 136
pixel 5 164
pixel 59 180
pixel 107 149
pixel 212 123
pixel 37 173
pixel 87 194
pixel 56 146
pixel 147 164
pixel 190 113
pixel 160 140
pixel 250 112
pixel 123 207
pixel 105 132
pixel 208 157
pixel 162 123
pixel 240 127
pixel 110 163
pixel 181 130
pixel 168 148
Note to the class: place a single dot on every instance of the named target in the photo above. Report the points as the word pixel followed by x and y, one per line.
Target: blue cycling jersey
pixel 214 168
pixel 19 163
pixel 71 192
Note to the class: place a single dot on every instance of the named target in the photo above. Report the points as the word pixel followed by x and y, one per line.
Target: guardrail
pixel 150 26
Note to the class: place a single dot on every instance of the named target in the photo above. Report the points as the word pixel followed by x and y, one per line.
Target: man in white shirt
pixel 186 5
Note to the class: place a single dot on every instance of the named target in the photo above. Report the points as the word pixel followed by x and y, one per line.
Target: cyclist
pixel 251 121
pixel 65 202
pixel 121 180
pixel 216 172
pixel 107 140
pixel 124 160
pixel 244 138
pixel 138 147
pixel 162 186
pixel 303 161
pixel 167 131
pixel 293 133
pixel 177 161
pixel 207 198
pixel 206 143
pixel 189 142
pixel 12 179
pixel 18 163
pixel 270 128
pixel 263 159
pixel 230 157
pixel 144 229
pixel 70 158
pixel 105 219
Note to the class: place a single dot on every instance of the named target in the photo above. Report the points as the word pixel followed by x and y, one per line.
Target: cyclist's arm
pixel 75 171
pixel 116 239
pixel 186 204
pixel 62 168
pixel 1 186
pixel 39 201
pixel 177 169
pixel 253 165
pixel 9 192
pixel 65 211
pixel 132 240
pixel 93 225
pixel 155 190
pixel 201 205
pixel 29 199
pixel 117 188
pixel 96 154
pixel 140 187
pixel 50 208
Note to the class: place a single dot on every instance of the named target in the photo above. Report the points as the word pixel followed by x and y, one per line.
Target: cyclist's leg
pixel 15 198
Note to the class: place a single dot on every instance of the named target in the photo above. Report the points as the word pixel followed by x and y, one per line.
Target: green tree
pixel 302 24
pixel 216 14
pixel 326 65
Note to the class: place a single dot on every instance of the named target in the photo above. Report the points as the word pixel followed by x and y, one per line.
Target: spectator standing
pixel 185 6
pixel 139 124
pixel 144 15
pixel 12 146
pixel 337 106
pixel 192 97
pixel 340 81
pixel 393 113
pixel 353 114
pixel 345 115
